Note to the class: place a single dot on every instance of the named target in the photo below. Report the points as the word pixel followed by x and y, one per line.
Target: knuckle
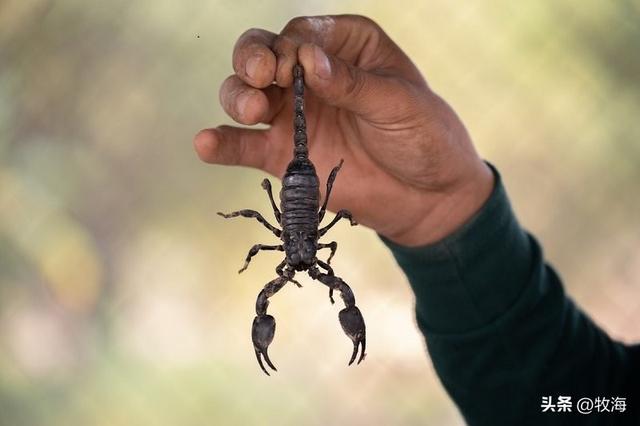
pixel 252 40
pixel 226 92
pixel 242 42
pixel 297 23
pixel 359 21
pixel 314 29
pixel 252 36
pixel 366 22
pixel 253 33
pixel 284 45
pixel 235 98
pixel 355 83
pixel 255 47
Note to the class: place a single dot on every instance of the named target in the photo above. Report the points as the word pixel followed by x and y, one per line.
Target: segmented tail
pixel 300 150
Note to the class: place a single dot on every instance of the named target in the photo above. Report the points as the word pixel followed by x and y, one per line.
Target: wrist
pixel 442 213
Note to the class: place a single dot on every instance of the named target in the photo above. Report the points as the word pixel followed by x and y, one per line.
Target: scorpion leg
pixel 264 325
pixel 266 185
pixel 330 272
pixel 280 272
pixel 330 180
pixel 255 214
pixel 254 250
pixel 342 214
pixel 332 245
pixel 350 317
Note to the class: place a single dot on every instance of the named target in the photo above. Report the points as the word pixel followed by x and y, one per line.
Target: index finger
pixel 355 39
pixel 344 36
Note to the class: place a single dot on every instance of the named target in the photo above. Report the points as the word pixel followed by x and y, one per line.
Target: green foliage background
pixel 119 301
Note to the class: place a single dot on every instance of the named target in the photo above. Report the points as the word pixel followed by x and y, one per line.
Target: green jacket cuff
pixel 471 277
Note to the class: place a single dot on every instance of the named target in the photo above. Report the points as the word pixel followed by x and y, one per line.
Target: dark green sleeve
pixel 501 331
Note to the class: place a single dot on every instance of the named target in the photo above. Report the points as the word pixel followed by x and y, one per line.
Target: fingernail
pixel 322 64
pixel 252 65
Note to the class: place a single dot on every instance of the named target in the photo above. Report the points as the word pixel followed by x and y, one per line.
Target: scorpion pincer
pixel 300 216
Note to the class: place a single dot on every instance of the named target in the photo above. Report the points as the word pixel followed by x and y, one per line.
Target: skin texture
pixel 410 170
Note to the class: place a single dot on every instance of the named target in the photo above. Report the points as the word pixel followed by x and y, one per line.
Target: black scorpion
pixel 300 219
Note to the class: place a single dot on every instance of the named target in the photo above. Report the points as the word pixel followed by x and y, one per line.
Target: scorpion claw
pixel 260 362
pixel 269 363
pixel 262 332
pixel 364 347
pixel 355 352
pixel 353 326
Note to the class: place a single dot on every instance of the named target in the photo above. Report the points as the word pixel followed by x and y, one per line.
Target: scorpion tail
pixel 300 150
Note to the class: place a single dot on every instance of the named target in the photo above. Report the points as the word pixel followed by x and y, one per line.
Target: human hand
pixel 410 170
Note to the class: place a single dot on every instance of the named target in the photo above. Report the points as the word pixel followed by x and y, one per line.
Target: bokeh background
pixel 119 298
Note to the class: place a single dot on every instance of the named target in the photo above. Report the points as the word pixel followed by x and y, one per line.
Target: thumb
pixel 343 85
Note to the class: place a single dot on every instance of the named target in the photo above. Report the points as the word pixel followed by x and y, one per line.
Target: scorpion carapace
pixel 299 216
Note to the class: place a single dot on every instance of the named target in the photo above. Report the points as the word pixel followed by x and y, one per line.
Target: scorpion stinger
pixel 299 216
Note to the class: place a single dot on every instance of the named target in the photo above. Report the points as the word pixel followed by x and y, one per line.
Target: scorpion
pixel 300 216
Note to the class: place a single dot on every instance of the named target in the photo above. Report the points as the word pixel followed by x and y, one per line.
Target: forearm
pixel 498 324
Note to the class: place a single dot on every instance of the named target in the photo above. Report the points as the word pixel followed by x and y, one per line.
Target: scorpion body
pixel 299 201
pixel 300 215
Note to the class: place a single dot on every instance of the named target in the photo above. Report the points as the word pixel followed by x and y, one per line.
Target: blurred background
pixel 119 298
